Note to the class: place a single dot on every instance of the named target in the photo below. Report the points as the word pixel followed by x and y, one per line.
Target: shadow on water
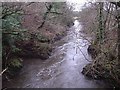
pixel 62 69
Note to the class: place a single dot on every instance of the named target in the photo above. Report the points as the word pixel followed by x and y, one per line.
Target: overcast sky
pixel 76 4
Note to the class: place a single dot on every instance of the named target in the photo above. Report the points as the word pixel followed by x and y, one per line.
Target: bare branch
pixel 3 71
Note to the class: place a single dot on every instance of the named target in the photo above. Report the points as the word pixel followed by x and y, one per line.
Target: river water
pixel 62 69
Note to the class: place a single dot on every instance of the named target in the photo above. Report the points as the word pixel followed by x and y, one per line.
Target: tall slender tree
pixel 101 28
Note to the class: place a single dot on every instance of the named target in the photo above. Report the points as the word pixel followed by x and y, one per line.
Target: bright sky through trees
pixel 76 4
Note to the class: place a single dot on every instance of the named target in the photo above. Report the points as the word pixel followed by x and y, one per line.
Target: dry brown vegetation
pixel 104 50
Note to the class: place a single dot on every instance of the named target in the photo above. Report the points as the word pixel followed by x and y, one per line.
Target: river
pixel 62 69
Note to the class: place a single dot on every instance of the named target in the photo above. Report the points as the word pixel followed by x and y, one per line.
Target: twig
pixel 30 3
pixel 83 54
pixel 3 71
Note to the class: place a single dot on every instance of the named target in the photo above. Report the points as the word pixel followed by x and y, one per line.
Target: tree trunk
pixel 101 27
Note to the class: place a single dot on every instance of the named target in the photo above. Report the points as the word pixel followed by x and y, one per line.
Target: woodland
pixel 30 30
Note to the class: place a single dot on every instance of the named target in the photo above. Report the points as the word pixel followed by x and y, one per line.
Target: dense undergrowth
pixel 103 27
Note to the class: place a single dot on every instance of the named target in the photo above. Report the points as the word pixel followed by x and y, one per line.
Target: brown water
pixel 62 69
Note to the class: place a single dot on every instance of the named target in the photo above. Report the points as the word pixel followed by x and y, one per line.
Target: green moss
pixel 108 66
pixel 42 38
pixel 14 67
pixel 15 63
pixel 44 48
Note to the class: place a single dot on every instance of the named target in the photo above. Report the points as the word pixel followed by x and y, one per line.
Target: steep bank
pixel 103 67
pixel 53 28
pixel 34 28
pixel 102 27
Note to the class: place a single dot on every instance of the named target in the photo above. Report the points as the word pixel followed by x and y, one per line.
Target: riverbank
pixel 61 70
pixel 37 32
pixel 103 67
